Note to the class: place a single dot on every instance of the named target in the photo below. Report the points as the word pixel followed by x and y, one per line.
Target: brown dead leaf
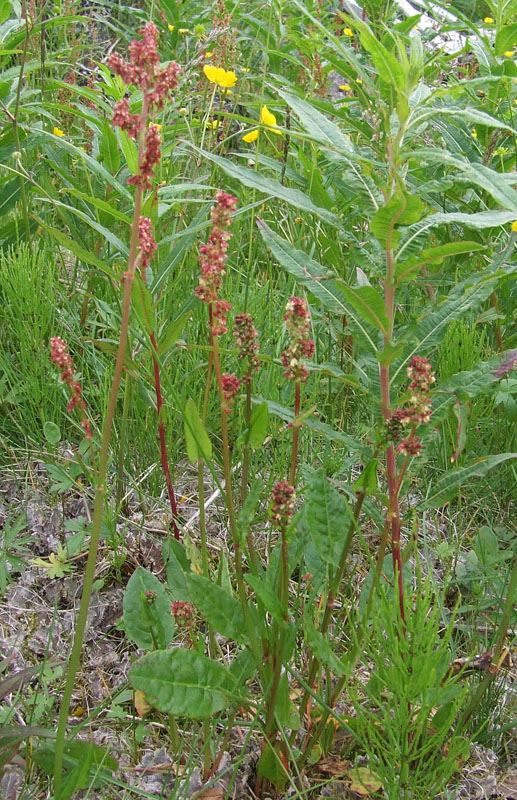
pixel 215 793
pixel 364 782
pixel 332 766
pixel 141 704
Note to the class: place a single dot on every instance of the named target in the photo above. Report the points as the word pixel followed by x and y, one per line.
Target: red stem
pixel 164 458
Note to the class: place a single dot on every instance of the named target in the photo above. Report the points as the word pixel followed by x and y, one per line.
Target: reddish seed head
pixel 297 321
pixel 282 504
pixel 245 335
pixel 230 385
pixel 60 357
pixel 411 446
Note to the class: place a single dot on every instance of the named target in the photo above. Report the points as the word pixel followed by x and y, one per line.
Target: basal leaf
pixel 147 617
pixel 222 611
pixel 182 682
pixel 328 518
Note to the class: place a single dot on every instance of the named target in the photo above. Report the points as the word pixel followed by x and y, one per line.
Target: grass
pixel 287 627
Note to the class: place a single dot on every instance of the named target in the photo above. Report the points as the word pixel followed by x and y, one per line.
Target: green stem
pixel 100 492
pixel 122 441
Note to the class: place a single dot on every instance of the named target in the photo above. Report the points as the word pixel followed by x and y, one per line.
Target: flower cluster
pixel 297 322
pixel 418 411
pixel 60 357
pixel 230 385
pixel 268 119
pixel 213 261
pixel 245 335
pixel 143 70
pixel 148 246
pixel 219 76
pixel 183 614
pixel 282 504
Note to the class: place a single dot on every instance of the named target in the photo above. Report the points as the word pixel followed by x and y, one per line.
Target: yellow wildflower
pixel 170 27
pixel 508 53
pixel 208 55
pixel 297 219
pixel 58 132
pixel 245 69
pixel 358 80
pixel 474 133
pixel 514 226
pixel 251 136
pixel 213 125
pixel 220 76
pixel 183 30
pixel 345 87
pixel 348 32
pixel 488 20
pixel 156 125
pixel 269 119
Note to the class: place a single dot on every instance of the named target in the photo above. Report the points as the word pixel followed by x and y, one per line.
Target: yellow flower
pixel 208 55
pixel 58 132
pixel 156 125
pixel 508 53
pixel 219 76
pixel 514 226
pixel 488 20
pixel 297 219
pixel 170 27
pixel 245 69
pixel 269 119
pixel 183 30
pixel 213 125
pixel 474 133
pixel 251 136
pixel 358 80
pixel 345 87
pixel 348 32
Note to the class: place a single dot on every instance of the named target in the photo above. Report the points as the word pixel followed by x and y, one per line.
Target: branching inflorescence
pixel 62 359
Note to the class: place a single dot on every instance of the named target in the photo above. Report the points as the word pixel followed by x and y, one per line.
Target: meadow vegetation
pixel 258 350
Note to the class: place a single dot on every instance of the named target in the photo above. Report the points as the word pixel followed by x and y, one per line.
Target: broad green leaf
pixel 75 753
pixel 143 304
pixel 222 611
pixel 271 767
pixel 258 426
pixel 472 115
pixel 389 69
pixel 311 274
pixel 321 648
pixel 328 518
pixel 77 250
pixel 266 595
pixel 130 151
pixel 446 488
pixel 368 303
pixel 269 186
pixel 172 333
pixel 402 209
pixel 177 567
pixel 182 682
pixel 485 178
pixel 315 424
pixel 197 441
pixel 367 480
pixel 52 433
pixel 506 39
pixel 109 148
pixel 147 618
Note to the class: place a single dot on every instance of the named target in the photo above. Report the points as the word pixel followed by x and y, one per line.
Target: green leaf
pixel 471 115
pixel 143 304
pixel 506 39
pixel 387 66
pixel 197 441
pixel 109 148
pixel 177 567
pixel 76 249
pixel 52 433
pixel 321 649
pixel 368 303
pixel 247 513
pixel 258 426
pixel 130 151
pixel 269 186
pixel 402 209
pixel 147 619
pixel 367 480
pixel 328 518
pixel 172 333
pixel 74 754
pixel 266 595
pixel 222 611
pixel 182 682
pixel 446 488
pixel 303 269
pixel 270 766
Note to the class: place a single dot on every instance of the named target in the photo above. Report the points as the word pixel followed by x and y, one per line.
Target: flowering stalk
pixel 156 85
pixel 148 248
pixel 245 335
